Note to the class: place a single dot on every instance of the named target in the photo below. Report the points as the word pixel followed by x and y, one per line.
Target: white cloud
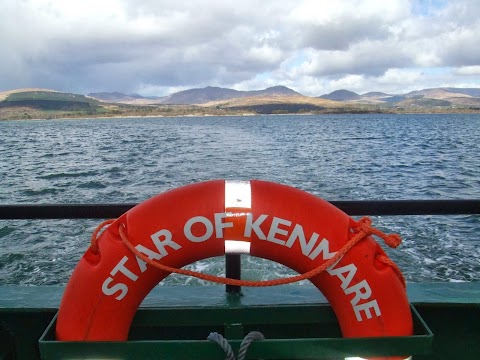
pixel 336 25
pixel 367 57
pixel 312 46
pixel 468 70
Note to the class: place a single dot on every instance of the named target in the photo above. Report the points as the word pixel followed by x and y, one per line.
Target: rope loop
pixel 227 348
pixel 247 340
pixel 363 228
pixel 223 343
pixel 94 238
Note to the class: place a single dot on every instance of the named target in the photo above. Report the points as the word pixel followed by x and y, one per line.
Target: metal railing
pixel 233 261
pixel 352 208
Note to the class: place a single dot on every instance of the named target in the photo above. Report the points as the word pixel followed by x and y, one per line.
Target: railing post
pixel 233 270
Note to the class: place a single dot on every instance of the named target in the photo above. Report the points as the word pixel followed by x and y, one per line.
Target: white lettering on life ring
pixel 281 232
pixel 187 229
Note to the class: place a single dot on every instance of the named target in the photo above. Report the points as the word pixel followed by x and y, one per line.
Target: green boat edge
pixel 174 321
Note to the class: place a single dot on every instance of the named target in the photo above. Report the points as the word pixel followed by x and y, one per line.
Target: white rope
pixel 220 340
pixel 247 340
pixel 227 348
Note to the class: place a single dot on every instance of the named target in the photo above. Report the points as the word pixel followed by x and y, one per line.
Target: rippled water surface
pixel 337 157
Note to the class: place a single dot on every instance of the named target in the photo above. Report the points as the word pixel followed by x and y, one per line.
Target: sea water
pixel 336 157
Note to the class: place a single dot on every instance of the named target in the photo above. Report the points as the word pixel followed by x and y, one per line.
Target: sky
pixel 158 47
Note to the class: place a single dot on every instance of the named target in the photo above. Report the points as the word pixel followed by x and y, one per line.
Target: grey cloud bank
pixel 314 47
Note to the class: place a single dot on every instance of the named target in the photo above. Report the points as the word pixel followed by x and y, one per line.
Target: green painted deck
pixel 183 316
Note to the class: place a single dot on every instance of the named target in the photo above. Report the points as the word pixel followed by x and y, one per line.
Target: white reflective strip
pixel 238 194
pixel 237 247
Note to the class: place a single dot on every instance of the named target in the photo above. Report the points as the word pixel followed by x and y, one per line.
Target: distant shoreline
pixel 44 104
pixel 113 117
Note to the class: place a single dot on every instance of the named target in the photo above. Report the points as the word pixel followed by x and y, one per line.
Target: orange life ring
pixel 207 219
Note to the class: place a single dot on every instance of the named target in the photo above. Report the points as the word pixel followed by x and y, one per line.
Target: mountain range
pixel 193 96
pixel 218 96
pixel 36 103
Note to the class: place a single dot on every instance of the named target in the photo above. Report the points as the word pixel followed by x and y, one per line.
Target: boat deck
pixel 451 311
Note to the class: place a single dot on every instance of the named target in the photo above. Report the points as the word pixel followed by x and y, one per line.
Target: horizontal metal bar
pixel 361 207
pixel 409 207
pixel 63 211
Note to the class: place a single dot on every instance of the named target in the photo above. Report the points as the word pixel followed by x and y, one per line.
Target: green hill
pixel 47 104
pixel 48 100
